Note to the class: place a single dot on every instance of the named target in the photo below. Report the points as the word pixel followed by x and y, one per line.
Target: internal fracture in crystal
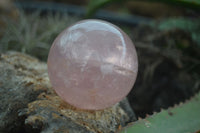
pixel 92 64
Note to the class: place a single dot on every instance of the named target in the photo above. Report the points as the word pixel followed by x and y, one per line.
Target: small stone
pixel 92 64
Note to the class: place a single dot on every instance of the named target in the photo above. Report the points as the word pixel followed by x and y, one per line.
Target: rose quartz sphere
pixel 92 64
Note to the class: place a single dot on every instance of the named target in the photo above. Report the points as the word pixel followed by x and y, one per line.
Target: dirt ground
pixel 167 74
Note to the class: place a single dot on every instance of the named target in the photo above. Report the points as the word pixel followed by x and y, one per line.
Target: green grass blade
pixel 94 5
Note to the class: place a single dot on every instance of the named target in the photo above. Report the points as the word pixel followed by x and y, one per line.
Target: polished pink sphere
pixel 92 64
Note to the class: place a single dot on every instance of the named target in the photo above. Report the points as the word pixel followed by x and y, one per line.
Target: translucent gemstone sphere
pixel 92 64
